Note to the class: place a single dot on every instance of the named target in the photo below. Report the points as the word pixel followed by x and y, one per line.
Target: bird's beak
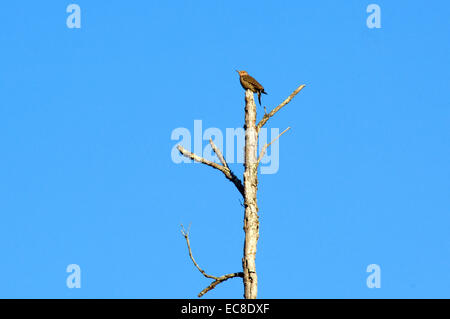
pixel 237 71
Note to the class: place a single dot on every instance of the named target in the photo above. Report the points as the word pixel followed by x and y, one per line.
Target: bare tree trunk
pixel 251 219
pixel 248 190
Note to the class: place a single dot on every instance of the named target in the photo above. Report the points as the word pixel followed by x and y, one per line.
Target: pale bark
pixel 248 189
pixel 217 280
pixel 263 151
pixel 251 218
pixel 223 168
pixel 267 116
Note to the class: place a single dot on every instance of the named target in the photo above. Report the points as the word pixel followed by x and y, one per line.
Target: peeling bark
pixel 251 218
pixel 248 190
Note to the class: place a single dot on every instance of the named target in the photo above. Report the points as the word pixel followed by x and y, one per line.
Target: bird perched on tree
pixel 249 83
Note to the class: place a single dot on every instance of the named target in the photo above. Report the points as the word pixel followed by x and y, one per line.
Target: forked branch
pixel 223 168
pixel 267 116
pixel 217 280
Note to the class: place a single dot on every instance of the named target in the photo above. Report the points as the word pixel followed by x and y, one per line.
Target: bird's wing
pixel 251 80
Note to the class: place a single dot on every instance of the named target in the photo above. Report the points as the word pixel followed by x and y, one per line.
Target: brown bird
pixel 249 83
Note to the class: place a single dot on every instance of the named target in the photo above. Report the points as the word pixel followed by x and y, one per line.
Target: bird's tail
pixel 259 97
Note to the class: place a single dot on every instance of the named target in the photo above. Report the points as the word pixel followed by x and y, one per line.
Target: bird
pixel 249 83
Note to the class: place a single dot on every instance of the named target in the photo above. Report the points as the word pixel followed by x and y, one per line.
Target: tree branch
pixel 224 169
pixel 218 153
pixel 263 151
pixel 220 280
pixel 217 280
pixel 267 116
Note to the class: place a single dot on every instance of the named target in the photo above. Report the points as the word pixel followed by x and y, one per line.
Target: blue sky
pixel 86 175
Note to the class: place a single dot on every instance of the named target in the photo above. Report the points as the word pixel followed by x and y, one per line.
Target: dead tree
pixel 248 190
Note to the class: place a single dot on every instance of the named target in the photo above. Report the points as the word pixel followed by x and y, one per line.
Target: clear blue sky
pixel 86 175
